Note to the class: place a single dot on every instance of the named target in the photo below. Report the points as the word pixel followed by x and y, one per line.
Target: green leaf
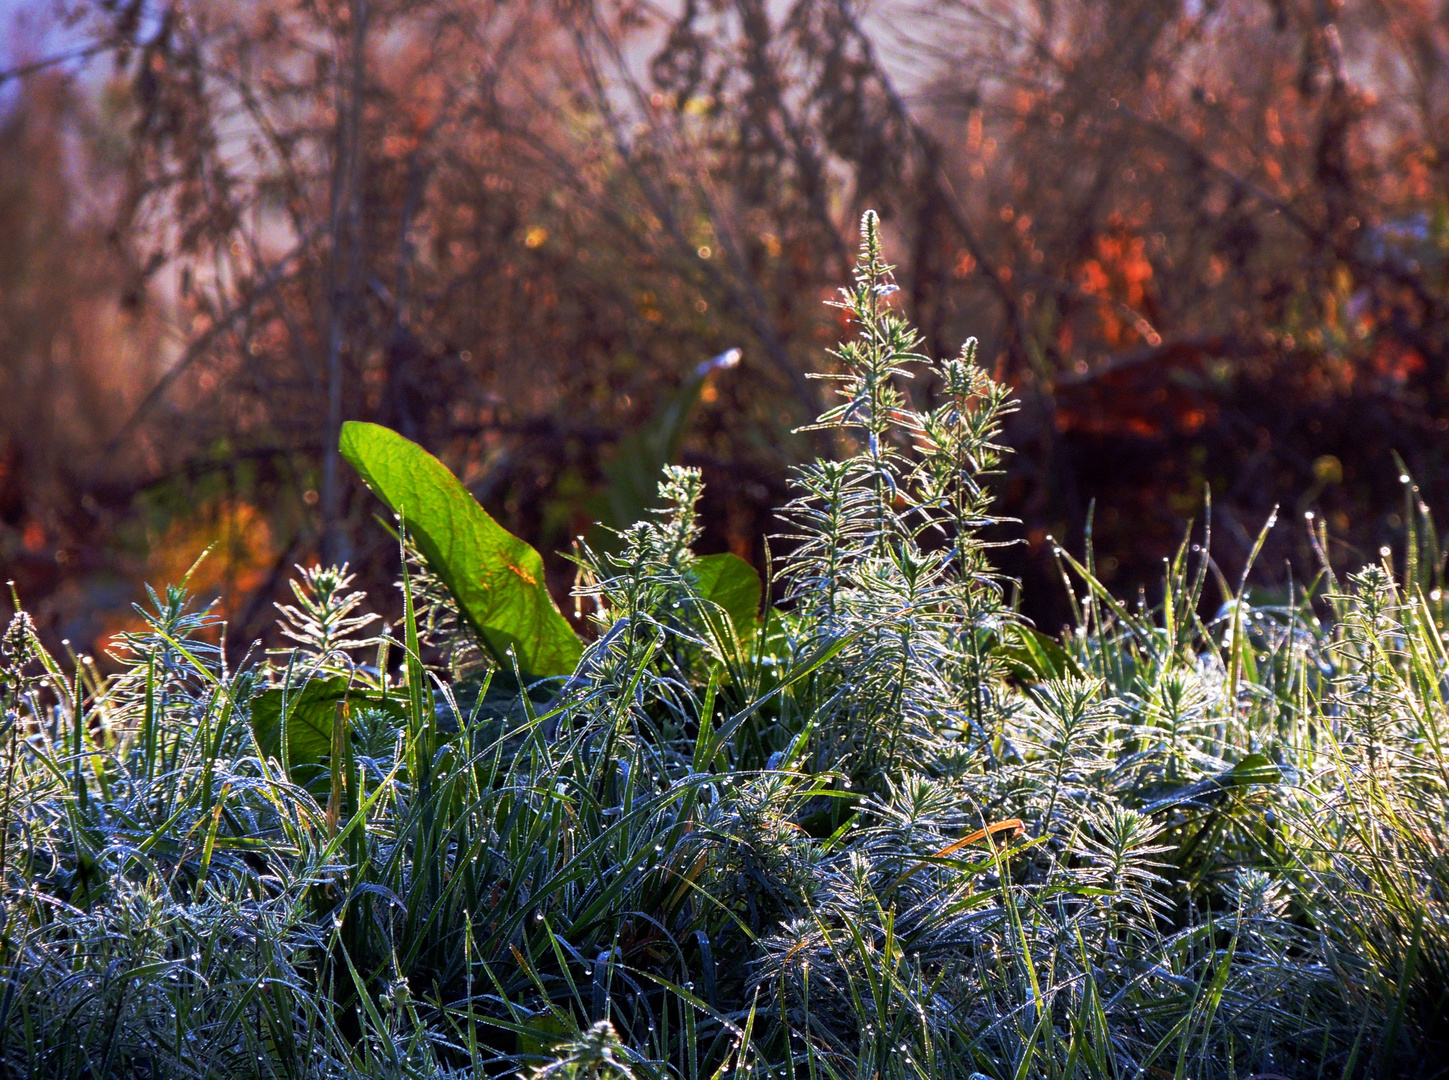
pixel 733 584
pixel 1253 769
pixel 311 709
pixel 631 475
pixel 545 1031
pixel 1034 656
pixel 309 720
pixel 496 578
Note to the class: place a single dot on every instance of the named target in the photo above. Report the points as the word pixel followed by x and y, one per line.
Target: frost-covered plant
pixel 324 625
pixel 887 559
pixel 884 831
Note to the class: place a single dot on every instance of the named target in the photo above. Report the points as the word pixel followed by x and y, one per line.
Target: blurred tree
pixel 1214 244
pixel 73 354
pixel 1205 242
pixel 426 215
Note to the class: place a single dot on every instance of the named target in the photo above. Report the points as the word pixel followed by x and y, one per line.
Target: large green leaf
pixel 309 720
pixel 496 578
pixel 733 584
pixel 1033 656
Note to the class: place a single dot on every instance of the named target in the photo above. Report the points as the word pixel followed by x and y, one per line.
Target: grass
pixel 890 831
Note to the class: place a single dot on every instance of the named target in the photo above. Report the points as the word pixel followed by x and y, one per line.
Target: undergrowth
pixel 886 831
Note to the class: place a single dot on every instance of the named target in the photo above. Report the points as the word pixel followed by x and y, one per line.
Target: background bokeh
pixel 1205 242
